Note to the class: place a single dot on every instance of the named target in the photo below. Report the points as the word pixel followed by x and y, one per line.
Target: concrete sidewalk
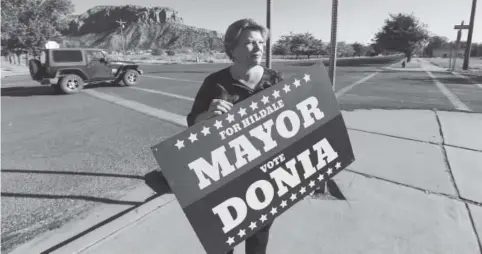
pixel 415 187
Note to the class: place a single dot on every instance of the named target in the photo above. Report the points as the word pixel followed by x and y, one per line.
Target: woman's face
pixel 250 48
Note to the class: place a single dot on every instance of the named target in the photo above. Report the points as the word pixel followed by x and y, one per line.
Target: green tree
pixel 282 45
pixel 435 42
pixel 31 23
pixel 357 48
pixel 402 33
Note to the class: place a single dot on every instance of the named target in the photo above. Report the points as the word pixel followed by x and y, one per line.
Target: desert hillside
pixel 146 28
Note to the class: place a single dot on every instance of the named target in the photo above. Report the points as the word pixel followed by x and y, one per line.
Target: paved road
pixel 62 155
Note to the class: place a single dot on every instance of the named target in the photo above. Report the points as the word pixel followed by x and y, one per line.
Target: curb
pixel 97 224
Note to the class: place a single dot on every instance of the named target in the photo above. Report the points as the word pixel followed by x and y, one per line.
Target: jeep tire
pixel 130 77
pixel 70 84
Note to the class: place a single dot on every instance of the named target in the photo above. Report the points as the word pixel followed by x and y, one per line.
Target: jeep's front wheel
pixel 130 78
pixel 71 84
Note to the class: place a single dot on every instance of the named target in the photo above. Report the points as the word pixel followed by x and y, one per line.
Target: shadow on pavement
pixel 78 197
pixel 444 80
pixel 75 197
pixel 29 171
pixel 157 182
pixel 26 91
pixel 153 179
pixel 329 190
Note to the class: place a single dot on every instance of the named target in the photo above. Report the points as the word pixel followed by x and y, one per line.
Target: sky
pixel 358 20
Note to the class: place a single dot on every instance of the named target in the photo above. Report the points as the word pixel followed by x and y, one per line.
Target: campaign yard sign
pixel 236 172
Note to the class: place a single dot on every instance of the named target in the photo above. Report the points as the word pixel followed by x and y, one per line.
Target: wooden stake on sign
pixel 334 24
pixel 268 25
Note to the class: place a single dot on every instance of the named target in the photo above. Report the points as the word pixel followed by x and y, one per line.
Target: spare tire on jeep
pixel 36 69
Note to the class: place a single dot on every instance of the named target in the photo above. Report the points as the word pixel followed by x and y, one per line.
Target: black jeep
pixel 69 69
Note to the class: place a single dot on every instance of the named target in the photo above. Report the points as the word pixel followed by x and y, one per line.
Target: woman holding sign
pixel 244 44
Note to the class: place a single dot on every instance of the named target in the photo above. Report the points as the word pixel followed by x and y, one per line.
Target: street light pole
pixel 469 36
pixel 268 25
pixel 334 24
pixel 121 23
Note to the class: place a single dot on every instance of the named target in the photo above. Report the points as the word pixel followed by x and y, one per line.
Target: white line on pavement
pixel 176 79
pixel 469 79
pixel 163 93
pixel 348 88
pixel 139 107
pixel 456 102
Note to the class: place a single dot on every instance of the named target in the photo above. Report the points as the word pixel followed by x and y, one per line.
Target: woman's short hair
pixel 233 32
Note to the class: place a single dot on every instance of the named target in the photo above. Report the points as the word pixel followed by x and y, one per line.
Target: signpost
pixel 469 36
pixel 457 42
pixel 236 172
pixel 122 23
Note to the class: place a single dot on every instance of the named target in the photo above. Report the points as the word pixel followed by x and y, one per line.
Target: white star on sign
pixel 242 233
pixel 218 124
pixel 329 171
pixel 283 204
pixel 242 111
pixel 312 183
pixel 338 165
pixel 192 137
pixel 274 211
pixel 179 144
pixel 265 100
pixel 276 94
pixel 254 105
pixel 263 218
pixel 252 225
pixel 205 131
pixel 303 190
pixel 297 83
pixel 287 88
pixel 321 177
pixel 230 118
pixel 230 240
pixel 307 78
pixel 293 197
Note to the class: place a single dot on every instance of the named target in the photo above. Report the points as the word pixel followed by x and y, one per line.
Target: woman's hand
pixel 218 107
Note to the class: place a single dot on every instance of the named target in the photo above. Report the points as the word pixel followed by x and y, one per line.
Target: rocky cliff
pixel 144 28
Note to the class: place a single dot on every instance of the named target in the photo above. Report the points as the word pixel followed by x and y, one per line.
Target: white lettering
pixel 307 107
pixel 222 210
pixel 281 124
pixel 253 200
pixel 265 136
pixel 201 167
pixel 243 147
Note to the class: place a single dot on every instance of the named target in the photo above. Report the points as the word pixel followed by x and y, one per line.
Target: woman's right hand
pixel 219 107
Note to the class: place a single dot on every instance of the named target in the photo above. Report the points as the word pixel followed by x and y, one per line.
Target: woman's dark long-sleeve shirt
pixel 221 85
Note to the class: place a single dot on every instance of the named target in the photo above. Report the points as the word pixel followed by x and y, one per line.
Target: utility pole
pixel 334 24
pixel 268 25
pixel 122 23
pixel 469 36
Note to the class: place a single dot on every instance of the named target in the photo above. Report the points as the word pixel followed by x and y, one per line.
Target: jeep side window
pixel 67 56
pixel 94 55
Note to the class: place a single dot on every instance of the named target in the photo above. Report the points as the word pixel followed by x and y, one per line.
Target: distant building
pixel 444 52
